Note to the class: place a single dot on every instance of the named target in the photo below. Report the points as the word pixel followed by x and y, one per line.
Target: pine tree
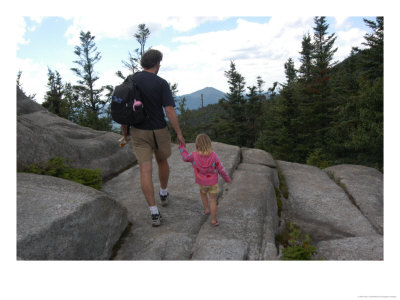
pixel 54 96
pixel 317 103
pixel 366 109
pixel 323 50
pixel 232 126
pixel 252 114
pixel 268 136
pixel 304 98
pixel 290 72
pixel 373 55
pixel 305 69
pixel 279 134
pixel 91 98
pixel 141 37
pixel 260 90
pixel 133 63
pixel 19 86
pixel 88 57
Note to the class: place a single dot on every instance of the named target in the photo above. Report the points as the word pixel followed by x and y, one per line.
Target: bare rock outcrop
pixel 42 135
pixel 247 211
pixel 324 210
pixel 353 248
pixel 59 219
pixel 365 186
pixel 182 218
pixel 63 220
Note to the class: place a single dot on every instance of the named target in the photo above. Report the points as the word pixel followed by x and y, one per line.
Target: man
pixel 152 135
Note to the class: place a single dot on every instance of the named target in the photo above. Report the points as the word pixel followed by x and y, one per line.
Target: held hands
pixel 181 140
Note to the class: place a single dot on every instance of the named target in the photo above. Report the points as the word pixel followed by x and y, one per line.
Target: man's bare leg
pixel 146 169
pixel 163 175
pixel 163 172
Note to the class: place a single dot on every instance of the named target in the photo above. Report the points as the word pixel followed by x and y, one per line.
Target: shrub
pixel 298 246
pixel 318 159
pixel 58 167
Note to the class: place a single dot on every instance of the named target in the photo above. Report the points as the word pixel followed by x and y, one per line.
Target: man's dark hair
pixel 150 58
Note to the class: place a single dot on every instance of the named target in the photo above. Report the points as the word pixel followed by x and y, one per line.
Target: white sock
pixel 163 192
pixel 154 210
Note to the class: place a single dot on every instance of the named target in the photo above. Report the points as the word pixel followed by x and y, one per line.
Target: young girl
pixel 206 167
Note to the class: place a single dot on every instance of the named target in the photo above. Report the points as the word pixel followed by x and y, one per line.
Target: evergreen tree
pixel 304 98
pixel 290 72
pixel 269 123
pixel 288 111
pixel 232 127
pixel 72 104
pixel 141 37
pixel 344 87
pixel 252 113
pixel 19 86
pixel 373 55
pixel 260 84
pixel 91 98
pixel 133 63
pixel 305 70
pixel 19 80
pixel 315 101
pixel 323 50
pixel 279 134
pixel 359 123
pixel 54 96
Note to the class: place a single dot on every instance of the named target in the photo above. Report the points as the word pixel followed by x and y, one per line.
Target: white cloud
pixel 186 23
pixel 125 28
pixel 20 31
pixel 200 60
pixel 353 37
pixel 22 28
pixel 341 22
pixel 257 49
pixel 33 78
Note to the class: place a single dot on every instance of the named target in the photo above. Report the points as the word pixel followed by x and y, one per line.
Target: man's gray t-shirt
pixel 157 94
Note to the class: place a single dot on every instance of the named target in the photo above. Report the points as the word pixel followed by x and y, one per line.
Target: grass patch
pixel 278 201
pixel 59 167
pixel 337 180
pixel 282 182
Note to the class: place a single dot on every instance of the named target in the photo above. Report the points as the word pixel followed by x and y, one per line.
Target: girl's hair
pixel 203 144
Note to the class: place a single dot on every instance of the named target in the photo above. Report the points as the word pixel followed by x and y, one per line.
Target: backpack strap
pixel 135 88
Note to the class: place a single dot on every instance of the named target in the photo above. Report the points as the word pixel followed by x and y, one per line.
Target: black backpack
pixel 127 103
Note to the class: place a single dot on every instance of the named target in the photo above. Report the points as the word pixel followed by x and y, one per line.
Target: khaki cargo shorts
pixel 145 144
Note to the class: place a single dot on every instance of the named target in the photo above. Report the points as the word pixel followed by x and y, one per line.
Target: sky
pixel 197 50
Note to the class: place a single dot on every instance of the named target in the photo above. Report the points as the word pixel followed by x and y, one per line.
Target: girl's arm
pixel 185 154
pixel 221 170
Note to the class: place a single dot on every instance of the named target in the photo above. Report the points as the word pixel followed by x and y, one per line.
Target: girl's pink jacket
pixel 205 167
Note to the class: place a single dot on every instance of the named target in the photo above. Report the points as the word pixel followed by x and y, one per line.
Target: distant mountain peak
pixel 211 95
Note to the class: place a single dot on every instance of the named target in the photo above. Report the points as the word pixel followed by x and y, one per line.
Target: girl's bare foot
pixel 214 223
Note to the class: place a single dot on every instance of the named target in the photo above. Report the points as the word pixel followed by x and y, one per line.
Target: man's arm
pixel 173 118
